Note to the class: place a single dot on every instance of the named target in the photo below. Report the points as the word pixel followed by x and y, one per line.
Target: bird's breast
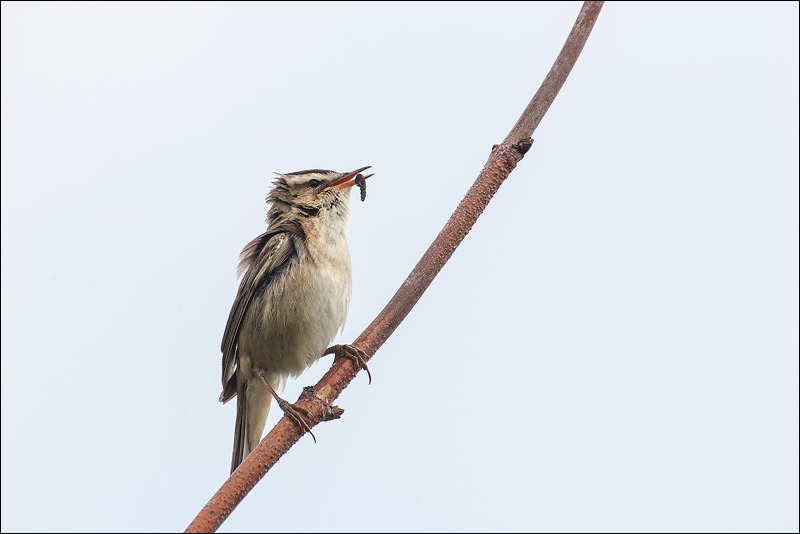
pixel 296 317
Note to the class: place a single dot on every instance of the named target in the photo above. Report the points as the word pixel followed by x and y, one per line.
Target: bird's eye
pixel 313 183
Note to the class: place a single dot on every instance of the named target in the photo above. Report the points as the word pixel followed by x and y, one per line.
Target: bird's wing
pixel 259 261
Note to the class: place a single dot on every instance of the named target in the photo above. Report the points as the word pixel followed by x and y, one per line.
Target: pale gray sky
pixel 613 348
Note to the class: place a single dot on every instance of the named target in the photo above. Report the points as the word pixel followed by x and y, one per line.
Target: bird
pixel 293 298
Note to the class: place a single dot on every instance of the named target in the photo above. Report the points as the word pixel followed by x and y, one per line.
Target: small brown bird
pixel 292 300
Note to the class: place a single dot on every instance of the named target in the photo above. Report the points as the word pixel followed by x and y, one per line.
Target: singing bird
pixel 292 300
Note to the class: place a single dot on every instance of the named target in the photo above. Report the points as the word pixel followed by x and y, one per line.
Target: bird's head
pixel 310 191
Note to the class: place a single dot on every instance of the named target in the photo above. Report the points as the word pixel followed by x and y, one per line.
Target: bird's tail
pixel 252 407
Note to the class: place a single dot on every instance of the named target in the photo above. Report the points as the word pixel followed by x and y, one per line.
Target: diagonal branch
pixel 318 399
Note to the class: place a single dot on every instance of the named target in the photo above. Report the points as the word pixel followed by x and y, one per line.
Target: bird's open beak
pixel 349 179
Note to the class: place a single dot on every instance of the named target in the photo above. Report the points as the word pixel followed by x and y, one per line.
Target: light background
pixel 613 348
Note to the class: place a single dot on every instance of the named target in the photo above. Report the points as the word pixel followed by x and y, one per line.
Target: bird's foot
pixel 351 352
pixel 292 411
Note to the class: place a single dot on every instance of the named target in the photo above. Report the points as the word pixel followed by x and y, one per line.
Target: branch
pixel 318 399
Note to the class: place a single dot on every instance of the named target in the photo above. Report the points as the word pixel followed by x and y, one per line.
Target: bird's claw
pixel 292 411
pixel 353 353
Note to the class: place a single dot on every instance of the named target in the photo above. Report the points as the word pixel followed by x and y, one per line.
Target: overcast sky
pixel 614 347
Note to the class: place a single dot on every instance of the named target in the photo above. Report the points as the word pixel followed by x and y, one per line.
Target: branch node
pixel 329 411
pixel 309 393
pixel 517 150
pixel 520 148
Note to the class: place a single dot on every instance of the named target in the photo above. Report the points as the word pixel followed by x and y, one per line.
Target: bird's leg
pixel 292 411
pixel 351 352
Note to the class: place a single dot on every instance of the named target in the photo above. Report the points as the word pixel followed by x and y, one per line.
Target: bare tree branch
pixel 318 399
